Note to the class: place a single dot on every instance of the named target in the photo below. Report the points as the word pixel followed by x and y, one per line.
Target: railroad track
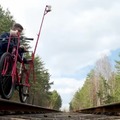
pixel 59 116
pixel 10 110
pixel 109 109
pixel 11 107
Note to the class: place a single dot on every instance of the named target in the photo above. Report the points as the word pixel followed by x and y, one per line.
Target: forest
pixel 101 86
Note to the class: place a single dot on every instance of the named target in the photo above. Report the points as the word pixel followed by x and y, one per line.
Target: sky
pixel 75 34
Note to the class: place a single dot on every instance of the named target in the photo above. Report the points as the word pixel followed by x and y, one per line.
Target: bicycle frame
pixel 15 73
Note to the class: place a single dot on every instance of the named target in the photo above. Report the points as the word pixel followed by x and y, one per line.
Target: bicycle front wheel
pixel 6 81
pixel 23 88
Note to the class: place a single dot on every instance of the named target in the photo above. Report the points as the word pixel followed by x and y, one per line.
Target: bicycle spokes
pixel 5 66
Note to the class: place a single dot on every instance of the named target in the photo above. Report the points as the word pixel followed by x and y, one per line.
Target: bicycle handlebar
pixel 21 38
pixel 28 38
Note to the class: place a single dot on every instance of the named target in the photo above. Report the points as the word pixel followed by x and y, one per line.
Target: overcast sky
pixel 74 35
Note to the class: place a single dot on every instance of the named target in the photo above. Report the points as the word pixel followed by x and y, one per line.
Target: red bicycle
pixel 11 76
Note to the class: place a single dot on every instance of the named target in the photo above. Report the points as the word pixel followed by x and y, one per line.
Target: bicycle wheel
pixel 23 88
pixel 6 81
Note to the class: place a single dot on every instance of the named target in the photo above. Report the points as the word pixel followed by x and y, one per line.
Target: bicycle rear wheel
pixel 23 88
pixel 6 81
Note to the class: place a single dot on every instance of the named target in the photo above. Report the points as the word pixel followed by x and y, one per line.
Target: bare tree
pixel 103 73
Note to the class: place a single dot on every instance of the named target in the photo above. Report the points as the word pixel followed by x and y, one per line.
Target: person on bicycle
pixel 14 32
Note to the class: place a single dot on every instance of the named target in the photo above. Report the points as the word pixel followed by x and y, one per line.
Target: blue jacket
pixel 4 43
pixel 5 35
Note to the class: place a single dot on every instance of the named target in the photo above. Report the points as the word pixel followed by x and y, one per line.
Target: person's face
pixel 19 30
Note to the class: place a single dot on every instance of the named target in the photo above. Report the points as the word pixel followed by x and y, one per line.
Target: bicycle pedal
pixel 26 94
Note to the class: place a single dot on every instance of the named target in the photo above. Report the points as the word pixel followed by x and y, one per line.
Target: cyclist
pixel 14 32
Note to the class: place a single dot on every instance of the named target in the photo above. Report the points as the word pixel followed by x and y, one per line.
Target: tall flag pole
pixel 47 9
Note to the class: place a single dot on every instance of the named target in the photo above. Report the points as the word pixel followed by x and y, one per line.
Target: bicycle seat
pixel 27 61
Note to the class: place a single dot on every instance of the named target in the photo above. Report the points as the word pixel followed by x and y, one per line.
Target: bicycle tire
pixel 6 81
pixel 23 89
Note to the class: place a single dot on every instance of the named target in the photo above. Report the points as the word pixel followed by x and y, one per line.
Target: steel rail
pixel 112 109
pixel 11 107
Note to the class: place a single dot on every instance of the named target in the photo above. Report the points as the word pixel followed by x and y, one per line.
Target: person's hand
pixel 23 47
pixel 14 32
